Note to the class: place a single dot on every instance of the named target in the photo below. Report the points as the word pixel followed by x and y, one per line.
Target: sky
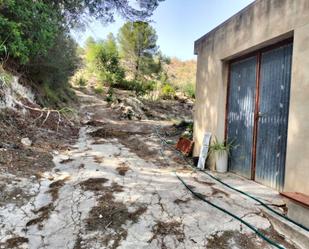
pixel 178 24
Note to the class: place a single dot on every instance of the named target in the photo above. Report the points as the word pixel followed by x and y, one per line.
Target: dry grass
pixel 163 229
pixel 93 184
pixel 44 213
pixel 14 242
pixel 110 215
pixel 98 159
pixel 216 191
pixel 181 201
pixel 64 161
pixel 54 188
pixel 231 239
pixel 204 182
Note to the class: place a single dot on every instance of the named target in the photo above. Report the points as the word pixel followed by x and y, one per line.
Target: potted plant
pixel 221 151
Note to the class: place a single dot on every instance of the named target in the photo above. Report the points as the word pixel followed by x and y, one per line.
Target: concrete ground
pixel 117 188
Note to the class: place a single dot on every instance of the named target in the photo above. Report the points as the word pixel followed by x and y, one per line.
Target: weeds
pixel 81 81
pixel 189 90
pixel 168 91
pixel 5 78
pixel 110 95
pixel 99 90
pixel 3 52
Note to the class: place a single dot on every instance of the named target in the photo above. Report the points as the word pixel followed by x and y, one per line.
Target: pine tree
pixel 138 49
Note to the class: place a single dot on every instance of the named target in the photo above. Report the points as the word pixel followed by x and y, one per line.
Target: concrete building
pixel 253 86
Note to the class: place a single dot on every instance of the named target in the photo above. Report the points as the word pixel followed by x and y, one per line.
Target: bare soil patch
pixel 167 109
pixel 203 182
pixel 43 214
pixel 45 211
pixel 12 194
pixel 109 215
pixel 22 161
pixel 163 229
pixel 216 191
pixel 93 184
pixel 182 201
pixel 64 161
pixel 54 188
pixel 78 243
pixel 275 236
pixel 95 122
pixel 14 242
pixel 123 169
pixel 113 133
pixel 128 139
pixel 231 238
pixel 25 162
pixel 98 159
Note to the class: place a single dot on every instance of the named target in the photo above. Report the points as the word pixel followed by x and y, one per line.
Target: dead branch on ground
pixel 64 112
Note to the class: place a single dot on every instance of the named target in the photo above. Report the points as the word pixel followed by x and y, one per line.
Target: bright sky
pixel 178 23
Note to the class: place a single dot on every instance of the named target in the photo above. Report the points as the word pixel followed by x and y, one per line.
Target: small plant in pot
pixel 221 151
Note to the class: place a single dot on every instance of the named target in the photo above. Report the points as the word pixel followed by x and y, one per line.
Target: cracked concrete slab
pixel 115 195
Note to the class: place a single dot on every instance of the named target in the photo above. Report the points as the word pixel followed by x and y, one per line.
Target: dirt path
pixel 116 188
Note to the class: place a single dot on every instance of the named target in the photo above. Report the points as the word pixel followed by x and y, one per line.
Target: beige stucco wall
pixel 261 24
pixel 297 161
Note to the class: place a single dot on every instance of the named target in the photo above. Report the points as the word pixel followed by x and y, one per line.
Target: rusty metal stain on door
pixel 240 120
pixel 275 78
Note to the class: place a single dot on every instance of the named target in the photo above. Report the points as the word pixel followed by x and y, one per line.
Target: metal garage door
pixel 275 78
pixel 241 114
pixel 258 104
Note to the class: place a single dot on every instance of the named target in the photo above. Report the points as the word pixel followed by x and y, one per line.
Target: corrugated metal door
pixel 258 121
pixel 275 77
pixel 242 88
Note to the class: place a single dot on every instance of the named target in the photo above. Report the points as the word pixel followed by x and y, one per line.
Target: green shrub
pixel 167 92
pixel 3 52
pixel 57 66
pixel 55 97
pixel 102 59
pixel 5 77
pixel 139 87
pixel 28 28
pixel 189 90
pixel 110 95
pixel 50 96
pixel 99 90
pixel 142 87
pixel 80 81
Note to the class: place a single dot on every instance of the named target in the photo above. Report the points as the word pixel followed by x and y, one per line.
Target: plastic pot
pixel 221 161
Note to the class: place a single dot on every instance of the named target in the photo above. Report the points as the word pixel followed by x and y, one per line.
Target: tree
pixel 35 34
pixel 138 48
pixel 30 27
pixel 27 28
pixel 77 11
pixel 57 65
pixel 102 58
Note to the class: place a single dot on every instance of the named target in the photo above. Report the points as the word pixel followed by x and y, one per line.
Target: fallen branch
pixel 61 113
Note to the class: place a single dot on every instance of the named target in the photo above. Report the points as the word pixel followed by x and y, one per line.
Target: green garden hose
pixel 257 200
pixel 199 196
pixel 235 189
pixel 258 233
